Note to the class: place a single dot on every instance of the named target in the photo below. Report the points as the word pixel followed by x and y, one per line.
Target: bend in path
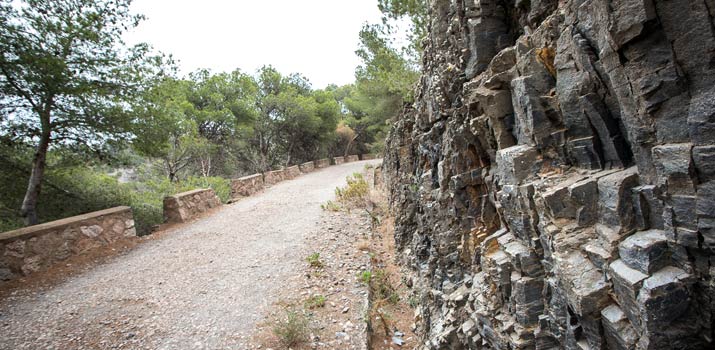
pixel 202 286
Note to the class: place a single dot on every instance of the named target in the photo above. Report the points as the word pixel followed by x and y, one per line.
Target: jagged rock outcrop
pixel 554 183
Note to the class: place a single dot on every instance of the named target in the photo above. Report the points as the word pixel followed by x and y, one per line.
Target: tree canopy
pixel 66 78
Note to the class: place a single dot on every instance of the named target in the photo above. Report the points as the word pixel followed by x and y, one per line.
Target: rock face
pixel 554 182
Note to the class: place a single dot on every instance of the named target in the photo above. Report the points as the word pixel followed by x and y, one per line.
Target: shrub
pixel 293 328
pixel 331 206
pixel 356 190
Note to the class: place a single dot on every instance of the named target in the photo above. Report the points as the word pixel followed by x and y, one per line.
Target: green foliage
pixel 415 10
pixel 315 302
pixel 356 190
pixel 384 83
pixel 331 206
pixel 293 328
pixel 383 288
pixel 314 260
pixel 76 189
pixel 365 277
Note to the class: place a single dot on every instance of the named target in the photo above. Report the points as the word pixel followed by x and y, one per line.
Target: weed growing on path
pixel 314 260
pixel 331 206
pixel 293 328
pixel 315 302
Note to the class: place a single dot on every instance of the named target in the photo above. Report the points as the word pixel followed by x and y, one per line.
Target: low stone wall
pixel 353 158
pixel 322 163
pixel 273 177
pixel 292 172
pixel 368 157
pixel 339 160
pixel 188 205
pixel 246 186
pixel 307 167
pixel 38 247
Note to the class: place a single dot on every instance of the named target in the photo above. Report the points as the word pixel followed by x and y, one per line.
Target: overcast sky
pixel 317 38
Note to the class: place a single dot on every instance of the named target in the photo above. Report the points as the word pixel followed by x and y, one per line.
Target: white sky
pixel 316 38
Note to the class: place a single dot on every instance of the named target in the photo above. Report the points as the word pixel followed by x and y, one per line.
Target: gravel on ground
pixel 204 285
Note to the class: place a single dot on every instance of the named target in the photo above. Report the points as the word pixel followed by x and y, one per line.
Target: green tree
pixel 416 11
pixel 66 77
pixel 384 83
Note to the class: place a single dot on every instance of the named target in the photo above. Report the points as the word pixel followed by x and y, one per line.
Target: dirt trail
pixel 204 285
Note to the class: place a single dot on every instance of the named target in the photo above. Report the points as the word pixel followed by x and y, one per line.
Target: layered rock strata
pixel 554 182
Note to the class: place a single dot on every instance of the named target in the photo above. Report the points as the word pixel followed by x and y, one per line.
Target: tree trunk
pixel 350 144
pixel 29 203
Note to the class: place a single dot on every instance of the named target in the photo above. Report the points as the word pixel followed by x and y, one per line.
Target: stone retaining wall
pixel 352 158
pixel 368 157
pixel 246 186
pixel 188 205
pixel 307 167
pixel 292 172
pixel 38 247
pixel 339 160
pixel 322 163
pixel 273 177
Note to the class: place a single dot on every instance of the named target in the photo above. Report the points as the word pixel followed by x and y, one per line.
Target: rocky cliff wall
pixel 554 183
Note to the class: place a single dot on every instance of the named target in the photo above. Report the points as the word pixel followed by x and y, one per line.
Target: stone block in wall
pixel 673 165
pixel 576 198
pixel 587 291
pixel 627 283
pixel 648 207
pixel 664 297
pixel 368 156
pixel 307 167
pixel 527 300
pixel 617 330
pixel 704 161
pixel 352 158
pixel 645 251
pixel 273 177
pixel 516 163
pixel 338 160
pixel 188 205
pixel 36 248
pixel 615 204
pixel 246 186
pixel 629 19
pixel 322 163
pixel 292 172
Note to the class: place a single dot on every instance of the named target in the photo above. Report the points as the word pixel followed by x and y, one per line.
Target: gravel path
pixel 202 286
